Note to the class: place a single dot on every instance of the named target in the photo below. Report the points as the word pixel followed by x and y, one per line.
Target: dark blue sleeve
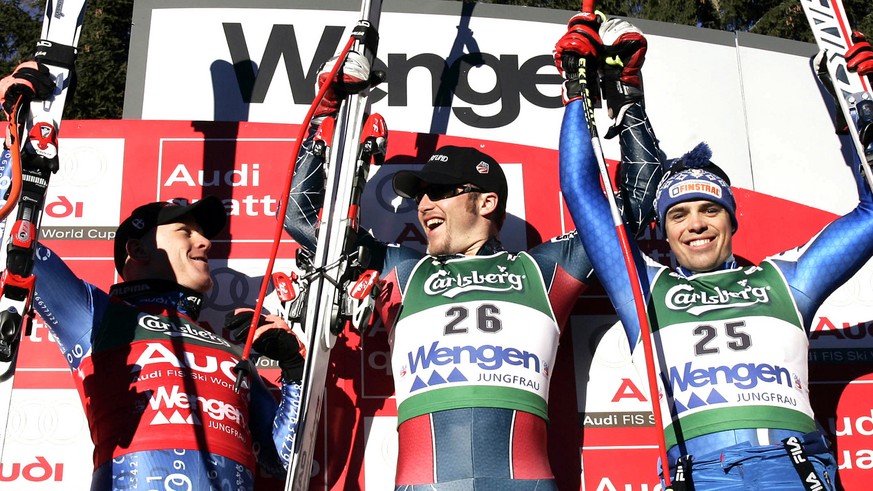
pixel 68 305
pixel 565 252
pixel 816 269
pixel 640 169
pixel 274 425
pixel 305 202
pixel 391 258
pixel 306 197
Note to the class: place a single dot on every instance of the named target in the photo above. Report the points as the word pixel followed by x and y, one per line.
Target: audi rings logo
pixel 83 166
pixel 386 196
pixel 231 289
pixel 35 420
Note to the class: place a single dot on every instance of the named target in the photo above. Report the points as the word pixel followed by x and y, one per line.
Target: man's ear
pixel 488 203
pixel 136 250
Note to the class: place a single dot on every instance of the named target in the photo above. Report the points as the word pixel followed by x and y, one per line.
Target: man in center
pixel 473 328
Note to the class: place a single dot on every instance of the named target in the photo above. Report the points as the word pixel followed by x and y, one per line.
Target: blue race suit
pixel 731 408
pixel 473 340
pixel 158 389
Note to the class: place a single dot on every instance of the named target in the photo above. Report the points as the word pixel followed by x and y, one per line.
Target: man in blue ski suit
pixel 157 388
pixel 716 325
pixel 464 302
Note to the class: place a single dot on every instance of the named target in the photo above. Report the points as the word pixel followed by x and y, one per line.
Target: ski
pixel 28 167
pixel 328 273
pixel 833 35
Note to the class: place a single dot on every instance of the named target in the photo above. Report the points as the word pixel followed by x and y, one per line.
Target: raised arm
pixel 624 52
pixel 819 267
pixel 307 195
pixel 68 305
pixel 307 185
pixel 580 183
pixel 833 256
pixel 640 173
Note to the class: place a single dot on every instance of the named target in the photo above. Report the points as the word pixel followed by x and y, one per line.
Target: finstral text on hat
pixel 695 186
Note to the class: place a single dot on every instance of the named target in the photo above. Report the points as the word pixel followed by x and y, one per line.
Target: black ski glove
pixel 273 339
pixel 624 51
pixel 841 127
pixel 30 80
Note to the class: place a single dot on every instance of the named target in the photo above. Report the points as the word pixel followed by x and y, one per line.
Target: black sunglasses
pixel 437 192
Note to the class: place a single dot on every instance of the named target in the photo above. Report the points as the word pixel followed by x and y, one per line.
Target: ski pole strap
pixel 243 370
pixel 805 471
pixel 366 34
pixel 52 53
pixel 682 481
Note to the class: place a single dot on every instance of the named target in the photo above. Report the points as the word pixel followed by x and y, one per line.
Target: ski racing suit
pixel 473 342
pixel 731 344
pixel 157 388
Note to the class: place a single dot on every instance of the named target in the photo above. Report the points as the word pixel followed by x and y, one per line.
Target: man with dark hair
pixel 466 308
pixel 730 342
pixel 157 388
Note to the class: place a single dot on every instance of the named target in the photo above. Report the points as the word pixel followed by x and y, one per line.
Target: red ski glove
pixel 624 50
pixel 30 80
pixel 576 56
pixel 859 57
pixel 353 77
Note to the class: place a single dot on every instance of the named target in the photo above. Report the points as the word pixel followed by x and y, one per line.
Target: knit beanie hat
pixel 694 177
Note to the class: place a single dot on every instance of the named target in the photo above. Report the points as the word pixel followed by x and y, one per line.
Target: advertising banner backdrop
pixel 458 73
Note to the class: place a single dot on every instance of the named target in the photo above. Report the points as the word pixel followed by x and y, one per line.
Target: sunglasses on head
pixel 437 192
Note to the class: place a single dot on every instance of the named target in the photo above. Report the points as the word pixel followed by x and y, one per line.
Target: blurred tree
pixel 20 31
pixel 101 65
pixel 780 18
pixel 691 13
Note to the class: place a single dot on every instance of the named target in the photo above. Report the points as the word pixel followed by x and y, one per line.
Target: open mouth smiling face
pixel 699 234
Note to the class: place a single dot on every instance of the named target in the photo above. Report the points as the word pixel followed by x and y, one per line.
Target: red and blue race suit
pixel 158 389
pixel 473 340
pixel 731 343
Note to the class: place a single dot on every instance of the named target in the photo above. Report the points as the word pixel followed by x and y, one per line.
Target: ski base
pixel 335 262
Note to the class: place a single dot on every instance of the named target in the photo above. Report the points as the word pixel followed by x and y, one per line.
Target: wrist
pixel 619 94
pixel 292 370
pixel 571 90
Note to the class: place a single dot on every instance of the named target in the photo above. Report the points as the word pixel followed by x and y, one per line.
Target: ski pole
pixel 618 222
pixel 639 301
pixel 245 367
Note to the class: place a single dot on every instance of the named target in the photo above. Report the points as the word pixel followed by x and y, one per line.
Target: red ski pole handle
pixel 15 131
pixel 587 6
